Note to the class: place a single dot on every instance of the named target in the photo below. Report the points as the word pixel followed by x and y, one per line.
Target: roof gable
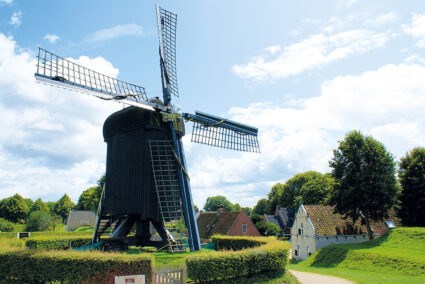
pixel 328 223
pixel 210 223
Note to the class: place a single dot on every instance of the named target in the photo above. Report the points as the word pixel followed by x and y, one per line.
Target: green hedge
pixel 35 266
pixel 239 243
pixel 269 255
pixel 57 242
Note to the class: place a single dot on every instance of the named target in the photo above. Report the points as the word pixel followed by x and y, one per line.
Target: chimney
pixel 220 209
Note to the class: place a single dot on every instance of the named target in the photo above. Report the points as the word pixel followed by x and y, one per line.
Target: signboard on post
pixel 130 279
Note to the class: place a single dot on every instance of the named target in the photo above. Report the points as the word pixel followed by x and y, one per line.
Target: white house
pixel 316 226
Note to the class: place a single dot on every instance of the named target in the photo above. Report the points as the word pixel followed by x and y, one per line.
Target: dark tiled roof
pixel 380 227
pixel 210 223
pixel 328 223
pixel 275 220
pixel 287 216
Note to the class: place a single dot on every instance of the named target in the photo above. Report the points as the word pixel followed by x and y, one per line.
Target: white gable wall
pixel 303 238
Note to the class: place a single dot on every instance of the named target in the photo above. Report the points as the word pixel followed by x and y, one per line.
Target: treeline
pixel 41 216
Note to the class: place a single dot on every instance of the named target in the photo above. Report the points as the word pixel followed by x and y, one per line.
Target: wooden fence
pixel 175 274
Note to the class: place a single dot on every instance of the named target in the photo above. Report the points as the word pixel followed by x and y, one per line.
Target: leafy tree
pixel 259 223
pixel 365 179
pixel 316 191
pixel 14 208
pixel 89 199
pixel 51 206
pixel 411 174
pixel 6 226
pixel 247 210
pixel 261 207
pixel 271 229
pixel 39 205
pixel 63 206
pixel 237 207
pixel 39 221
pixel 291 189
pixel 29 202
pixel 273 197
pixel 214 202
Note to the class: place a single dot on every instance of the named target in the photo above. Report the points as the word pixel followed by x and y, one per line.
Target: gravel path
pixel 314 278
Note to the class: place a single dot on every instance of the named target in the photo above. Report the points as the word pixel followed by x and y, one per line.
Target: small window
pixel 296 252
pixel 301 231
pixel 390 224
pixel 244 228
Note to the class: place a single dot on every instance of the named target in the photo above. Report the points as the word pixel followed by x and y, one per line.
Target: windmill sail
pixel 219 132
pixel 55 70
pixel 167 25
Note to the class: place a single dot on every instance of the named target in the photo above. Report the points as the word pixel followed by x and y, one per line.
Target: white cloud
pixel 6 2
pixel 314 52
pixel 382 19
pixel 115 31
pixel 16 19
pixel 386 103
pixel 51 38
pixel 50 139
pixel 416 28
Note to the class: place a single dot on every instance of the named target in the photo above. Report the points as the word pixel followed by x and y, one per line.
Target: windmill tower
pixel 146 174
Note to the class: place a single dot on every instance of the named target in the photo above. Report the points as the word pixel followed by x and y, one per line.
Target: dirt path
pixel 314 278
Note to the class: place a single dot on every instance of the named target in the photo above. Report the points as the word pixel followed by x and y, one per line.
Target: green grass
pixel 396 257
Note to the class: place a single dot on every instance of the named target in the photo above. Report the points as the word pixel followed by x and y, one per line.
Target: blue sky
pixel 304 72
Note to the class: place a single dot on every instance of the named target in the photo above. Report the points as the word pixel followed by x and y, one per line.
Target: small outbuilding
pixel 79 218
pixel 317 226
pixel 225 223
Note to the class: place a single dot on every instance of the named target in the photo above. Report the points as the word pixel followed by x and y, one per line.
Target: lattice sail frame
pixel 167 27
pixel 219 132
pixel 164 167
pixel 55 70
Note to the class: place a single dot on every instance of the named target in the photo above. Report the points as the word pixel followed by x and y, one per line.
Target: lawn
pixel 397 257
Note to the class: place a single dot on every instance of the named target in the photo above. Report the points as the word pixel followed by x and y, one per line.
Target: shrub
pixel 29 266
pixel 6 226
pixel 39 221
pixel 264 255
pixel 57 242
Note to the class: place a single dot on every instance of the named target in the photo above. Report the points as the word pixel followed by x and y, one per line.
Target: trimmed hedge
pixel 35 266
pixel 268 254
pixel 57 242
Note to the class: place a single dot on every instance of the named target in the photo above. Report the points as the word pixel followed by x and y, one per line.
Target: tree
pixel 365 179
pixel 214 202
pixel 39 221
pixel 271 229
pixel 411 174
pixel 237 207
pixel 14 208
pixel 261 207
pixel 29 202
pixel 63 206
pixel 259 223
pixel 6 226
pixel 51 206
pixel 247 210
pixel 316 191
pixel 273 197
pixel 89 199
pixel 291 189
pixel 39 205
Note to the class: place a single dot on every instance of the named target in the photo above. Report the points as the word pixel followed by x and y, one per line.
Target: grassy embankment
pixel 396 257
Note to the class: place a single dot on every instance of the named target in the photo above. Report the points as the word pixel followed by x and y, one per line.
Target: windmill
pixel 147 183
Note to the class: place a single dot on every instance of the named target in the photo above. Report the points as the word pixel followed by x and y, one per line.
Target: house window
pixel 244 228
pixel 301 230
pixel 297 250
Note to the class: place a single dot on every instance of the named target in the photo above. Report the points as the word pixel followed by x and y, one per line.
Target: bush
pixel 6 226
pixel 29 266
pixel 39 221
pixel 57 242
pixel 264 255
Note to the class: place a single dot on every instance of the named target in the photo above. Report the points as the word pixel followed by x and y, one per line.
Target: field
pixel 397 257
